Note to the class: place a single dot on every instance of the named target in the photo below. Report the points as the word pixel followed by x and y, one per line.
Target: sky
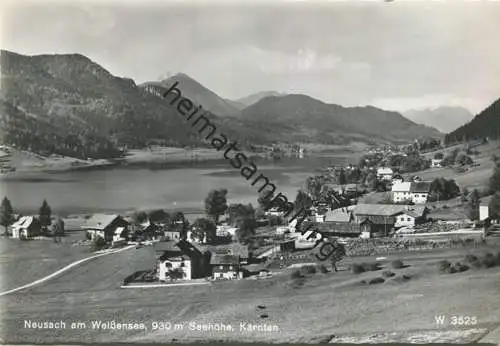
pixel 395 55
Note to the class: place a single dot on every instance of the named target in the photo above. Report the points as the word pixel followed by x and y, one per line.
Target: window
pixel 182 264
pixel 230 267
pixel 408 219
pixel 221 267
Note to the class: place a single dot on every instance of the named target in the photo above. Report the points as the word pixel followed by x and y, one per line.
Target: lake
pixel 120 189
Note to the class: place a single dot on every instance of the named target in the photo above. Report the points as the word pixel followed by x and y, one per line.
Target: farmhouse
pixel 381 219
pixel 416 192
pixel 420 192
pixel 26 227
pixel 180 260
pixel 384 173
pixel 225 267
pixel 411 218
pixel 105 226
pixel 401 192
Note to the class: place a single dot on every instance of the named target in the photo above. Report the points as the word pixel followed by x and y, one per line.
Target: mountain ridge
pixel 443 118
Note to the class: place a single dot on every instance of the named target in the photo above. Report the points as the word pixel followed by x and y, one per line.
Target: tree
pixel 6 214
pixel 161 216
pixel 463 159
pixel 439 156
pixel 44 215
pixel 58 229
pixel 313 187
pixel 246 229
pixel 216 204
pixel 494 206
pixel 204 229
pixel 264 200
pixel 179 223
pixel 495 180
pixel 302 201
pixel 139 217
pixel 342 177
pixel 473 207
pixel 176 274
pixel 237 211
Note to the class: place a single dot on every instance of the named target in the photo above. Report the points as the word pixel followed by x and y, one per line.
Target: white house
pixel 26 227
pixel 411 217
pixel 401 192
pixel 181 257
pixel 384 173
pixel 436 163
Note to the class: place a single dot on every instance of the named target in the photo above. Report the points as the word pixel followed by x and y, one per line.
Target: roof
pixel 421 187
pixel 100 221
pixel 119 230
pixel 182 247
pixel 24 222
pixel 235 249
pixel 485 201
pixel 397 176
pixel 401 187
pixel 338 215
pixel 219 259
pixel 384 170
pixel 379 209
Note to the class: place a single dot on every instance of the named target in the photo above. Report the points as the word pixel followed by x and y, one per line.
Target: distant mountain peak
pixel 444 118
pixel 256 97
pixel 200 94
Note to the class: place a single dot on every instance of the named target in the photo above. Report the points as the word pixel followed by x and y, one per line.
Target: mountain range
pixel 445 119
pixel 79 109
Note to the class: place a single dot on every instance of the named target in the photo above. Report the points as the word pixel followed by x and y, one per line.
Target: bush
pixel 489 260
pixel 444 266
pixel 309 269
pixel 388 274
pixel 470 258
pixel 375 281
pixel 371 267
pixel 296 274
pixel 357 268
pixel 397 264
pixel 323 269
pixel 459 267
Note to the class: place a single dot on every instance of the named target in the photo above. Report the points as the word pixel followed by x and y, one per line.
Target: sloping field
pixel 316 308
pixel 22 262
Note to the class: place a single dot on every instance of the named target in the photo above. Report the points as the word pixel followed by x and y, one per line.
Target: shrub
pixel 397 264
pixel 388 274
pixel 357 268
pixel 470 258
pixel 323 269
pixel 371 267
pixel 489 260
pixel 444 266
pixel 459 267
pixel 296 274
pixel 309 269
pixel 375 281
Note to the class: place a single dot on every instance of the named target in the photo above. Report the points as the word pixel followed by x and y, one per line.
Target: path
pixel 62 270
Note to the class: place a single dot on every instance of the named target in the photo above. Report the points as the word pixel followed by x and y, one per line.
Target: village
pixel 381 205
